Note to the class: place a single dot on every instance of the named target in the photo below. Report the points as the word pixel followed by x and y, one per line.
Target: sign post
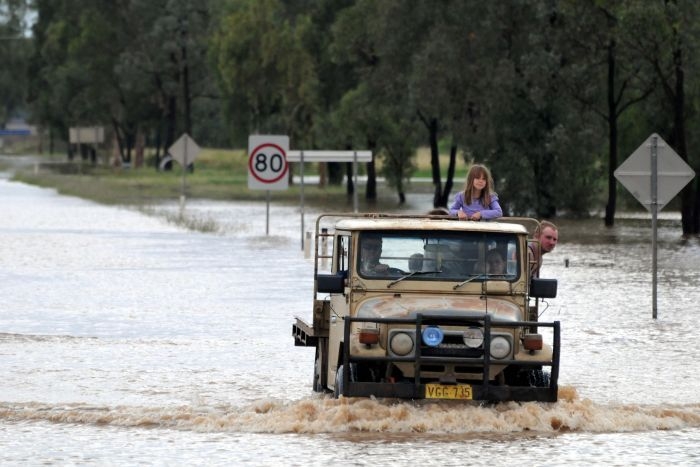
pixel 654 180
pixel 185 150
pixel 327 156
pixel 268 168
pixel 87 135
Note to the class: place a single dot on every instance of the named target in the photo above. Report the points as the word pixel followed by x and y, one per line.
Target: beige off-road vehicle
pixel 429 307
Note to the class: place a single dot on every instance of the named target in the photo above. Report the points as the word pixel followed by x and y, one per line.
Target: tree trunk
pixel 696 210
pixel 351 182
pixel 158 144
pixel 687 210
pixel 322 174
pixel 170 118
pixel 444 199
pixel 612 140
pixel 186 98
pixel 139 149
pixel 371 189
pixel 435 161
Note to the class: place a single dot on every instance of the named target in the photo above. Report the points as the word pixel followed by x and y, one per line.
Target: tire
pixel 338 389
pixel 317 385
pixel 539 378
pixel 536 378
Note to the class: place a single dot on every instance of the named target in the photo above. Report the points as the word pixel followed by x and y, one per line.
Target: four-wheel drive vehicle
pixel 429 307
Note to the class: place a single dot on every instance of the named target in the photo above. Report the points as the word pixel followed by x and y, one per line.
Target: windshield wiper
pixel 468 279
pixel 410 274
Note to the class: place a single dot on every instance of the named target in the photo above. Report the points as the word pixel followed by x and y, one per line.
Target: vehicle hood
pixel 408 307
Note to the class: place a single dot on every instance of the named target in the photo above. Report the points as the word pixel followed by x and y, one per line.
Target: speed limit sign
pixel 268 168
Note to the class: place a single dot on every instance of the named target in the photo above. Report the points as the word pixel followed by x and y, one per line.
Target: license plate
pixel 448 391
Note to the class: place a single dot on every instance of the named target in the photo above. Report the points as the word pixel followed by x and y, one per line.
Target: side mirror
pixel 543 288
pixel 331 283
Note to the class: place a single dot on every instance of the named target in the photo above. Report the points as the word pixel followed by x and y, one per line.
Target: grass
pixel 183 219
pixel 220 174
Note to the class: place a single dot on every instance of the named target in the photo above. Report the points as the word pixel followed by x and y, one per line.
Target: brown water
pixel 126 340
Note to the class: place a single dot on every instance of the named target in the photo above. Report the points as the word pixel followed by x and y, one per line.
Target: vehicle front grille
pixel 451 350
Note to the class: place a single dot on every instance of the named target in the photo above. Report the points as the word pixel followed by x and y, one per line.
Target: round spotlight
pixel 500 347
pixel 473 337
pixel 401 344
pixel 432 336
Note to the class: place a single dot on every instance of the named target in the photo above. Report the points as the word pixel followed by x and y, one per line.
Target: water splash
pixel 323 414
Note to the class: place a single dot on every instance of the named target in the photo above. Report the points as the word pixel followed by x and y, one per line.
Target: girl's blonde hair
pixel 477 171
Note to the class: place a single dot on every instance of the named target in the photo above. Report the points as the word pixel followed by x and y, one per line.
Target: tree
pixel 668 50
pixel 540 147
pixel 15 49
pixel 168 54
pixel 601 73
pixel 77 49
pixel 381 40
pixel 265 74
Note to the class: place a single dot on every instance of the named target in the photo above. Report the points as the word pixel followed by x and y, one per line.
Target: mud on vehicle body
pixel 429 307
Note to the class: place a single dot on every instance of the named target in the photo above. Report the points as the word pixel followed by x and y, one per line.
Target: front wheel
pixel 539 378
pixel 339 386
pixel 534 378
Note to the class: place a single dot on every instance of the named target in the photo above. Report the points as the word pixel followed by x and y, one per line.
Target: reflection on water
pixel 125 339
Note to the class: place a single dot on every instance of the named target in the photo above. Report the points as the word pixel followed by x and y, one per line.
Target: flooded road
pixel 127 340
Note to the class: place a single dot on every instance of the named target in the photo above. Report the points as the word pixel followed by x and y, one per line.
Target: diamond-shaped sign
pixel 672 173
pixel 184 150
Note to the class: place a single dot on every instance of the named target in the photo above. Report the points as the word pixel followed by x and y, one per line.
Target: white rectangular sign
pixel 87 135
pixel 330 156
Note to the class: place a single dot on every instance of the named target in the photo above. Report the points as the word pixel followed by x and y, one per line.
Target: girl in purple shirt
pixel 478 200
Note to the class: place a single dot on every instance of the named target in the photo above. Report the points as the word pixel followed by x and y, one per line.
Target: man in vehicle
pixel 371 251
pixel 546 236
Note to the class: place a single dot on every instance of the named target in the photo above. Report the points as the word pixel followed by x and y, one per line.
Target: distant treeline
pixel 552 95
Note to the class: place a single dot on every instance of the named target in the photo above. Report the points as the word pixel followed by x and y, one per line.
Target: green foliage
pixel 551 95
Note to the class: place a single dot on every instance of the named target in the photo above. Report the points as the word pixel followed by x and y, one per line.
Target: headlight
pixel 401 344
pixel 432 336
pixel 473 337
pixel 500 347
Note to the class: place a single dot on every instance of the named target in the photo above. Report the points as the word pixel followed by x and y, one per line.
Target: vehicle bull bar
pixel 484 390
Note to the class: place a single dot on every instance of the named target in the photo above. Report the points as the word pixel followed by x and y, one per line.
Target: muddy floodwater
pixel 127 340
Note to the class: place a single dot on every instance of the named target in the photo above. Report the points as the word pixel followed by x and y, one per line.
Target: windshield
pixel 438 255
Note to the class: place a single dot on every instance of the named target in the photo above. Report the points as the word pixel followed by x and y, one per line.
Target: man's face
pixel 371 250
pixel 548 239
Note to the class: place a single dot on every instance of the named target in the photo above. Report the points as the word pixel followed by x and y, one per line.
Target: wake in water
pixel 355 415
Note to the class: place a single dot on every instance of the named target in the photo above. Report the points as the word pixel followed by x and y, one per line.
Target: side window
pixel 512 257
pixel 498 256
pixel 343 254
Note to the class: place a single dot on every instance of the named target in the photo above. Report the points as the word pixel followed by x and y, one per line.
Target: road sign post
pixel 87 135
pixel 268 168
pixel 654 178
pixel 185 150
